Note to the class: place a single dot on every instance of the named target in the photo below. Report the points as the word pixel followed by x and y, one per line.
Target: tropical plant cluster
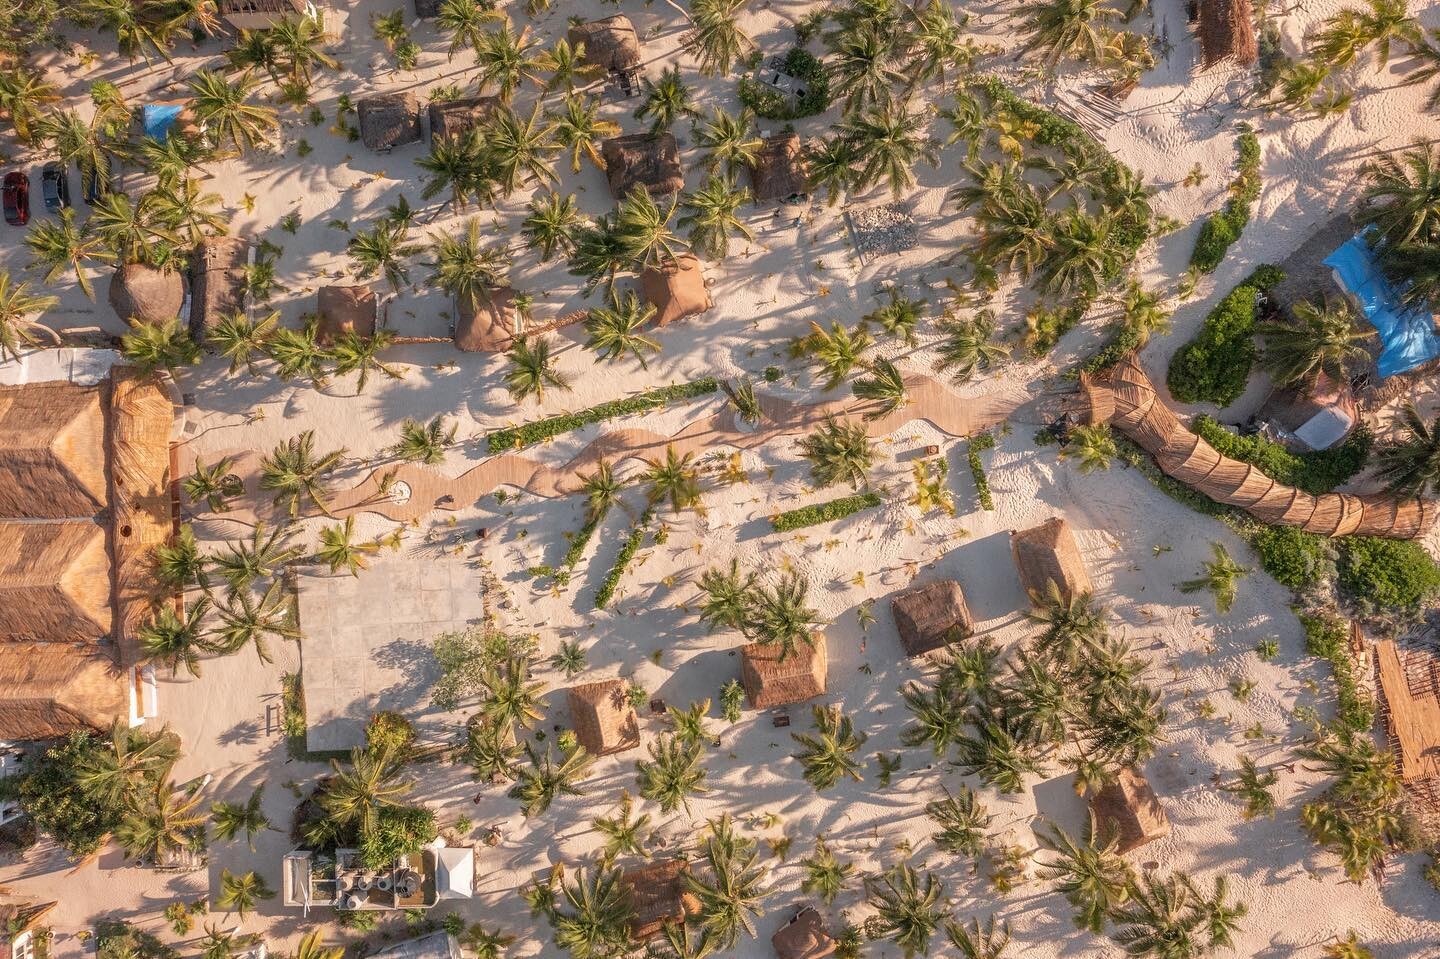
pixel 778 615
pixel 1362 816
pixel 519 437
pixel 973 449
pixel 1387 576
pixel 633 541
pixel 1314 471
pixel 804 66
pixel 1327 636
pixel 1215 365
pixel 835 509
pixel 1222 229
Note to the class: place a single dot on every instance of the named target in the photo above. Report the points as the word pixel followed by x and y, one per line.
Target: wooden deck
pixel 1410 681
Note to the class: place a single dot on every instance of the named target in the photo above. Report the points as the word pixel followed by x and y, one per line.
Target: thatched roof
pixel 930 616
pixel 676 290
pixel 1227 32
pixel 803 937
pixel 452 119
pixel 141 292
pixel 656 895
pixel 640 160
pixel 345 309
pixel 1412 713
pixel 780 171
pixel 1128 809
pixel 610 43
pixel 1124 397
pixel 21 915
pixel 602 717
pixel 770 681
pixel 52 451
pixel 54 582
pixel 489 329
pixel 48 690
pixel 1047 554
pixel 388 120
pixel 217 281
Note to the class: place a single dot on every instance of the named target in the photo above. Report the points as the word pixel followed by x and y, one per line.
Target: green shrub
pixel 1379 575
pixel 1215 365
pixel 519 437
pixel 398 830
pixel 823 512
pixel 389 732
pixel 1291 556
pixel 1046 326
pixel 1326 636
pixel 764 101
pixel 1314 472
pixel 632 544
pixel 1122 341
pixel 117 939
pixel 978 444
pixel 1222 229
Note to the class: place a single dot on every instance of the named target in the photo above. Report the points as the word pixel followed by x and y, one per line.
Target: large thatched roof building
pixel 345 309
pixel 640 160
pixel 217 281
pixel 770 681
pixel 780 173
pixel 610 44
pixel 54 582
pixel 803 937
pixel 657 894
pixel 52 451
pixel 388 120
pixel 1227 32
pixel 1129 810
pixel 452 119
pixel 490 328
pixel 145 294
pixel 1047 554
pixel 676 289
pixel 930 616
pixel 602 717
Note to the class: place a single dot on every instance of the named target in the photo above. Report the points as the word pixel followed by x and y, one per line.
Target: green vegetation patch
pixel 528 434
pixel 977 445
pixel 1326 636
pixel 1215 365
pixel 1222 229
pixel 632 545
pixel 1381 575
pixel 1314 472
pixel 765 101
pixel 823 512
pixel 1293 557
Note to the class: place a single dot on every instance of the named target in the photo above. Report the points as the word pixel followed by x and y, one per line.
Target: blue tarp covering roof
pixel 1407 334
pixel 158 118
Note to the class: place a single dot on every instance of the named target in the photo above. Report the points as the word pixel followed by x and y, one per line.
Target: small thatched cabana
pixel 1047 554
pixel 54 582
pixel 770 681
pixel 803 937
pixel 143 293
pixel 640 160
pixel 930 616
pixel 388 120
pixel 1227 32
pixel 491 327
pixel 452 119
pixel 676 289
pixel 1129 810
pixel 217 281
pixel 345 309
pixel 49 690
pixel 780 173
pixel 52 451
pixel 657 894
pixel 610 44
pixel 602 717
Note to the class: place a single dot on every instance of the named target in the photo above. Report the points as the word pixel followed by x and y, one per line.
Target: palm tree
pixel 299 352
pixel 72 140
pixel 938 43
pixel 462 267
pixel 907 908
pixel 979 942
pixel 829 755
pixel 567 67
pixel 672 774
pixel 1093 879
pixel 1070 625
pixel 543 781
pixel 579 128
pixel 184 210
pixel 520 150
pixel 354 353
pixel 338 548
pixel 294 472
pixel 17 326
pixel 1084 255
pixel 1324 341
pixel 160 824
pixel 531 370
pixel 22 92
pixel 836 352
pixel 832 168
pixel 311 947
pixel 240 893
pixel 233 818
pixel 1220 576
pixel 458 164
pixel 569 658
pixel 507 59
pixel 825 875
pixel 246 620
pixel 511 697
pixel 741 394
pixel 177 639
pixel 969 347
pixel 864 63
pixel 1401 198
pixel 299 43
pixel 643 231
pixel 255 50
pixel 898 317
pixel 715 37
pixel 601 489
pixel 223 108
pixel 1170 919
pixel 712 216
pixel 1066 29
pixel 425 442
pixel 261 557
pixel 594 921
pixel 624 834
pixel 1142 312
pixel 133 761
pixel 465 22
pixel 132 231
pixel 781 616
pixel 1124 728
pixel 674 478
pixel 888 141
pixel 1254 787
pixel 839 451
pixel 550 225
pixel 242 339
pixel 616 330
pixel 356 794
pixel 962 819
pixel 179 564
pixel 220 943
pixel 730 146
pixel 939 719
pixel 133 32
pixel 731 895
pixel 1093 447
pixel 666 100
pixel 491 751
pixel 884 385
pixel 382 249
pixel 60 246
pixel 729 596
pixel 997 756
pixel 1409 467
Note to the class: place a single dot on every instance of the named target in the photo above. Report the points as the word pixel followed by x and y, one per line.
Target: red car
pixel 17 198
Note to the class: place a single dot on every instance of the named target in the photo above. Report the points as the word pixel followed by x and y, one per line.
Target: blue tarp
pixel 158 118
pixel 1407 334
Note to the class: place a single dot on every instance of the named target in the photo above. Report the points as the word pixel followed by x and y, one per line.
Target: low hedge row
pixel 1223 228
pixel 1314 472
pixel 1215 365
pixel 977 445
pixel 632 545
pixel 823 512
pixel 528 434
pixel 572 555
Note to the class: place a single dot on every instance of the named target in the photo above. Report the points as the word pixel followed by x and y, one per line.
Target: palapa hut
pixel 388 120
pixel 452 119
pixel 142 293
pixel 1047 554
pixel 771 681
pixel 610 44
pixel 217 281
pixel 345 309
pixel 640 160
pixel 19 921
pixel 1128 810
pixel 48 690
pixel 1227 32
pixel 930 616
pixel 602 717
pixel 52 451
pixel 490 328
pixel 676 289
pixel 54 582
pixel 780 173
pixel 657 894
pixel 803 937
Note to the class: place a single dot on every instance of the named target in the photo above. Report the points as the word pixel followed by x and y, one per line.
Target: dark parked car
pixel 17 198
pixel 94 187
pixel 55 186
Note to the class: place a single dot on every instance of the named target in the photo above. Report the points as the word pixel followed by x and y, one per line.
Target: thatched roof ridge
pixel 657 894
pixel 452 119
pixel 611 43
pixel 217 281
pixel 388 120
pixel 929 616
pixel 602 717
pixel 52 451
pixel 770 681
pixel 344 309
pixel 1129 810
pixel 54 582
pixel 20 915
pixel 676 289
pixel 640 160
pixel 803 937
pixel 490 328
pixel 1227 32
pixel 144 293
pixel 48 690
pixel 780 171
pixel 1047 553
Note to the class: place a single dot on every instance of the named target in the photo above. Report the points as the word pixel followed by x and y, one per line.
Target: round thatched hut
pixel 146 295
pixel 345 309
pixel 488 327
pixel 610 44
pixel 676 290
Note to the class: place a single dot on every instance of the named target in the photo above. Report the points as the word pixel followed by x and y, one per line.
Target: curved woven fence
pixel 1124 397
